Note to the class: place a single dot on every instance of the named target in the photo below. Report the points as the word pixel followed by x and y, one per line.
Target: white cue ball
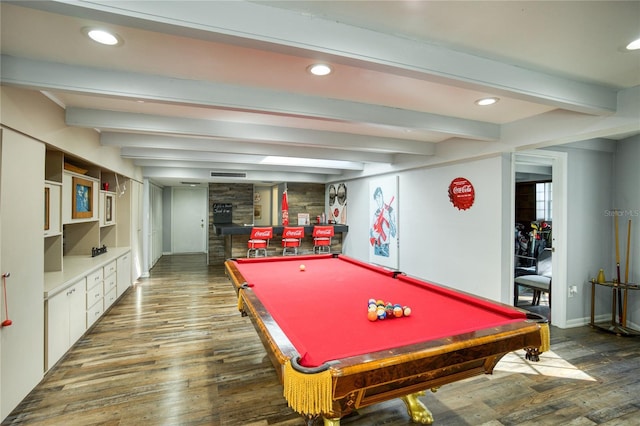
pixel 302 267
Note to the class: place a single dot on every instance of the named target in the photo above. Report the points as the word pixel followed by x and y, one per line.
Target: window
pixel 543 201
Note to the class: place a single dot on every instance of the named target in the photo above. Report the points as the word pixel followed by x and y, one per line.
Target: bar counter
pixel 235 237
pixel 238 229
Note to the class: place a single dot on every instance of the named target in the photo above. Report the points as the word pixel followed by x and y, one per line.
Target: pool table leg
pixel 417 410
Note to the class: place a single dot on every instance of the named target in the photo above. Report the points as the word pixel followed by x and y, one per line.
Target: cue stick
pixel 626 276
pixel 615 220
pixel 626 268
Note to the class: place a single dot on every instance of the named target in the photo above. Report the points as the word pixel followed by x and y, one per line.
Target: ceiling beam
pixel 212 165
pixel 127 122
pixel 161 174
pixel 252 160
pixel 132 140
pixel 252 24
pixel 42 75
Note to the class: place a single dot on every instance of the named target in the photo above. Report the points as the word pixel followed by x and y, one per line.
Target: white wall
pixel 438 242
pixel 470 250
pixel 37 116
pixel 589 225
pixel 627 199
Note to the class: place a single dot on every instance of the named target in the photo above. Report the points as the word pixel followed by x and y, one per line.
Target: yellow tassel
pixel 240 302
pixel 308 394
pixel 545 337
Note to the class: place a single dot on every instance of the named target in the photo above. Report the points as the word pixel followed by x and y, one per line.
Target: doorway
pixel 539 224
pixel 189 220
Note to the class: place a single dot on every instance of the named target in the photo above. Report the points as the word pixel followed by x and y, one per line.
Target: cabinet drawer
pixel 94 313
pixel 109 298
pixel 110 283
pixel 94 295
pixel 94 279
pixel 109 269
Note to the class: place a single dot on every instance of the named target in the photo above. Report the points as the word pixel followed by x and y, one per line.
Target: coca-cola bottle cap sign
pixel 461 193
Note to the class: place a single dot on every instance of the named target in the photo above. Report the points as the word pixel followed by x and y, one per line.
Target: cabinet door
pixel 110 288
pixel 95 312
pixel 57 327
pixel 109 298
pixel 66 321
pixel 77 318
pixel 124 273
pixel 21 255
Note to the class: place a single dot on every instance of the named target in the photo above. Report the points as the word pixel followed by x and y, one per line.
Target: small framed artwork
pixel 82 198
pixel 108 208
pixel 46 209
pixel 303 219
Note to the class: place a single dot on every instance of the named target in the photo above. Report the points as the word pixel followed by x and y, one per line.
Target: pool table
pixel 311 313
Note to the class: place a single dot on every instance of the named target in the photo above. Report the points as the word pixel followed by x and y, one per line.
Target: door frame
pixel 558 162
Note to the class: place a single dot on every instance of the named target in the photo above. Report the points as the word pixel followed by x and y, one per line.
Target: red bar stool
pixel 259 241
pixel 291 238
pixel 322 239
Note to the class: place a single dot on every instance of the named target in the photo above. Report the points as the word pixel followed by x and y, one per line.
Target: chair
pixel 533 272
pixel 291 238
pixel 259 241
pixel 322 239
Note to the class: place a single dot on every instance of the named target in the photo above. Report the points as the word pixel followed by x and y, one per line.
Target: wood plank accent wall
pixel 240 195
pixel 303 198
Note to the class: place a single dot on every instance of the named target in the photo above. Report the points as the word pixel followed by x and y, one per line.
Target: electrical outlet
pixel 573 290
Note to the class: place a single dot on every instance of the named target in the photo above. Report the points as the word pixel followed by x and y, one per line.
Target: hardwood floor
pixel 175 351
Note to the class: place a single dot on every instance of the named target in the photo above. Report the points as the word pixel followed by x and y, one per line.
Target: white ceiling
pixel 217 86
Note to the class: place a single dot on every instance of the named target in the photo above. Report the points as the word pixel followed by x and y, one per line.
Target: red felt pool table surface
pixel 323 309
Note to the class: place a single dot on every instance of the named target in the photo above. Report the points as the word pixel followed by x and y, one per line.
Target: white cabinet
pixel 52 200
pixel 110 284
pixel 95 293
pixel 80 198
pixel 21 255
pixel 65 321
pixel 124 273
pixel 107 208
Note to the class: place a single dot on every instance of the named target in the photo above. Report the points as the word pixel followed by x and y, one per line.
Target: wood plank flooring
pixel 175 351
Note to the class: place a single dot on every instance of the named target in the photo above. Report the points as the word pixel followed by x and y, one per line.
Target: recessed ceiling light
pixel 320 69
pixel 102 36
pixel 634 45
pixel 487 101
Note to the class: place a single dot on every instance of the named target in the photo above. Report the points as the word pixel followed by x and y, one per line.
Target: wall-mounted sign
pixel 461 193
pixel 222 212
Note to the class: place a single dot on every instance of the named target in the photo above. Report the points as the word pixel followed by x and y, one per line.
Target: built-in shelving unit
pixel 86 208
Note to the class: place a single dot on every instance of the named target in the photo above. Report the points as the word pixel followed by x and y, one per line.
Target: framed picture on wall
pixel 337 195
pixel 383 226
pixel 108 208
pixel 82 198
pixel 46 209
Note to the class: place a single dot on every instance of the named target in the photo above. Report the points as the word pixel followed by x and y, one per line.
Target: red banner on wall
pixel 285 209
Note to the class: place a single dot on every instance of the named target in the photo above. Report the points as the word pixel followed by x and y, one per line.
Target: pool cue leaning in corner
pixel 626 276
pixel 615 221
pixel 626 266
